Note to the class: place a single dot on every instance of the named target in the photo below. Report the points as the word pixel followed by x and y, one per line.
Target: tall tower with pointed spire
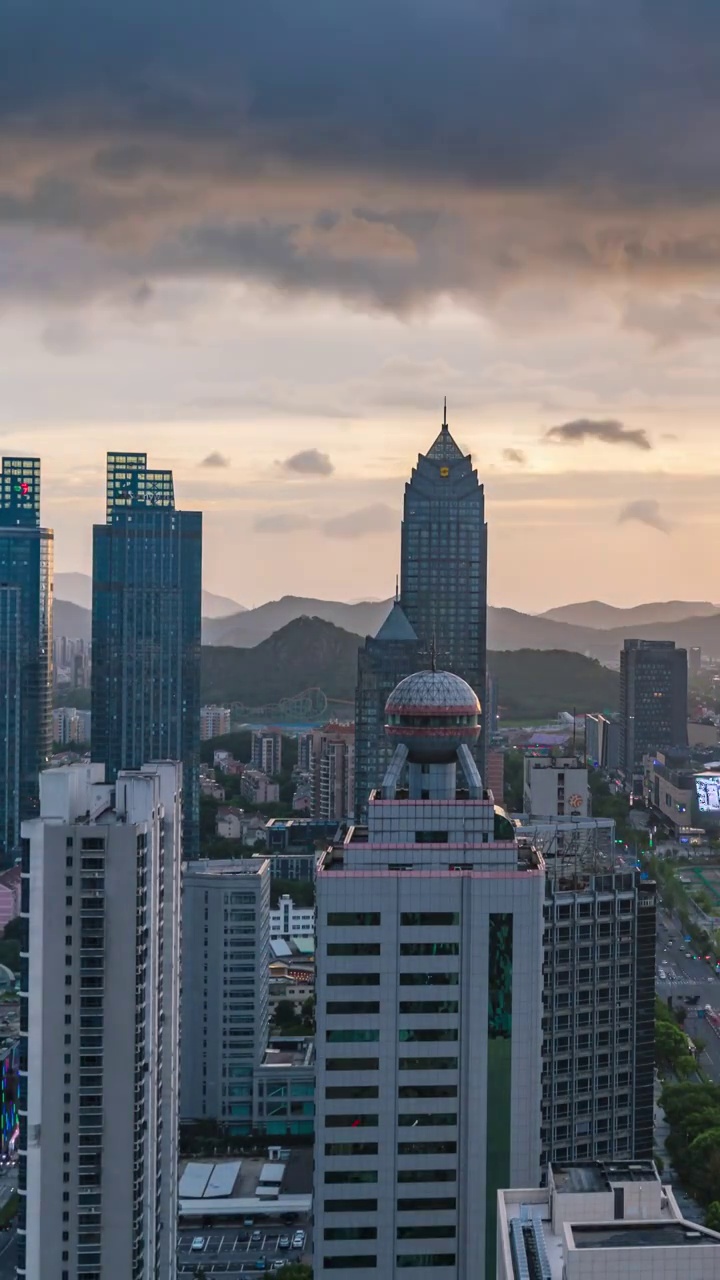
pixel 443 583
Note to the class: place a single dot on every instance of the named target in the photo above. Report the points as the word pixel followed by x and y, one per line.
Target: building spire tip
pixel 445 421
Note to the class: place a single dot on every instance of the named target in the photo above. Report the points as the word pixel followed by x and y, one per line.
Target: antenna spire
pixel 433 654
pixel 445 421
pixel 397 588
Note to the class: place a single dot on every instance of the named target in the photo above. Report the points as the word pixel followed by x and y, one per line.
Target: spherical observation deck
pixel 433 713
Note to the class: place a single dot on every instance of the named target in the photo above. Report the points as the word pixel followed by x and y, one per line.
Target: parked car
pixel 256 1237
pixel 298 1241
pixel 261 1264
pixel 284 1242
pixel 198 1244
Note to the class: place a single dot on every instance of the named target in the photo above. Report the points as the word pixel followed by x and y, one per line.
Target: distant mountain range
pixel 76 588
pixel 508 629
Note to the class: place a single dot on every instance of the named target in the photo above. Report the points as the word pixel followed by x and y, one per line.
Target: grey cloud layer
pixel 468 148
pixel 308 462
pixel 606 430
pixel 645 511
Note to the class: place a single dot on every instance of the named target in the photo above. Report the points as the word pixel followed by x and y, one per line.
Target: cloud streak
pixel 645 511
pixel 605 430
pixel 515 455
pixel 215 459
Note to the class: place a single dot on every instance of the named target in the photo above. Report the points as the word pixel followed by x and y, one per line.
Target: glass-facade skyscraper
pixel 382 662
pixel 26 578
pixel 443 571
pixel 653 702
pixel 147 582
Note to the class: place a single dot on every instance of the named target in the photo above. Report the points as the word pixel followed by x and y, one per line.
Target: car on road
pixel 284 1242
pixel 198 1244
pixel 298 1240
pixel 256 1237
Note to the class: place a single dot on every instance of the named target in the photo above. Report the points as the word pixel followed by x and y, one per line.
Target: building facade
pixel 289 921
pixel 71 725
pixel 332 772
pixel 653 702
pixel 257 788
pixel 26 585
pixel 602 742
pixel 147 572
pixel 266 752
pixel 383 661
pixel 100 1026
pixel 225 1018
pixel 443 572
pixel 429 991
pixel 214 722
pixel 599 1010
pixel 555 786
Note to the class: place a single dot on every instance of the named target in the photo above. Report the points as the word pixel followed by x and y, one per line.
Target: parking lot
pixel 231 1252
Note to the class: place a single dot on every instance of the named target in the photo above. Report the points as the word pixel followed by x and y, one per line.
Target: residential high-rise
pixel 443 573
pixel 147 571
pixel 653 702
pixel 383 661
pixel 332 772
pixel 599 1015
pixel 602 742
pixel 26 583
pixel 214 722
pixel 100 993
pixel 226 952
pixel 429 1005
pixel 267 751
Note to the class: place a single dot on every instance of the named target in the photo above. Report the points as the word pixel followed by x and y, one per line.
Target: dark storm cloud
pixel 645 511
pixel 290 144
pixel 606 430
pixel 309 462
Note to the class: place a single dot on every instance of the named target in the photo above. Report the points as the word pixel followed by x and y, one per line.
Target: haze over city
pixel 269 260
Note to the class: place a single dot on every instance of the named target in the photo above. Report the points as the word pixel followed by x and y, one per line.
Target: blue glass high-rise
pixel 147 585
pixel 26 576
pixel 443 581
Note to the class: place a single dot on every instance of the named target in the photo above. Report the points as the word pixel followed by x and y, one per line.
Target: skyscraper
pixel 653 702
pixel 429 1005
pixel 100 992
pixel 443 572
pixel 147 577
pixel 26 579
pixel 383 661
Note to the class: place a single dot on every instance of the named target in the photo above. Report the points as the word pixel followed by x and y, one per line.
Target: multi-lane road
pixel 679 975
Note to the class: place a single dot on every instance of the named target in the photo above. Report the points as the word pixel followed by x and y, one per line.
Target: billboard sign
pixel 707 789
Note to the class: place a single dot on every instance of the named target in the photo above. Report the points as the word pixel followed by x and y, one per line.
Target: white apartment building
pixel 214 722
pixel 225 1015
pixel 70 725
pixel 555 787
pixel 257 788
pixel 601 1221
pixel 429 1007
pixel 266 751
pixel 99 1039
pixel 289 921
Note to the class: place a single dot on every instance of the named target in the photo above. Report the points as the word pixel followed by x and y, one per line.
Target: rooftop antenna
pixel 397 588
pixel 433 654
pixel 445 421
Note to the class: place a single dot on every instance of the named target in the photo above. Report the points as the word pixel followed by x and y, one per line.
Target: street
pixel 8 1254
pixel 679 975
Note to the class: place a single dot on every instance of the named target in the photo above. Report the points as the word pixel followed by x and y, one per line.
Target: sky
pixel 262 240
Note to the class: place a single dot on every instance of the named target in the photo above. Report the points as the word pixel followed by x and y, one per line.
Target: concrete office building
pixel 653 703
pixel 289 921
pixel 100 1027
pixel 555 786
pixel 599 1009
pixel 429 990
pixel 226 950
pixel 601 1221
pixel 26 595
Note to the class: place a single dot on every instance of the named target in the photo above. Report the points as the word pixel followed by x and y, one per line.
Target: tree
pixel 285 1015
pixel 296 1271
pixel 712 1216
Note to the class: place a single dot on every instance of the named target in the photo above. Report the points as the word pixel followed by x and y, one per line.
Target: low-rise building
pixel 555 787
pixel 601 1221
pixel 291 866
pixel 257 788
pixel 284 1088
pixel 233 823
pixel 287 920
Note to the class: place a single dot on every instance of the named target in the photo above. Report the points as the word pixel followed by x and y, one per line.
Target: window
pixel 431 837
pixel 428 1064
pixel 353 948
pixel 350 1233
pixel 352 1006
pixel 410 1119
pixel 425 1204
pixel 426 1232
pixel 433 919
pixel 353 979
pixel 351 1037
pixel 427 1148
pixel 351 1121
pixel 427 1091
pixel 425 1260
pixel 351 1091
pixel 423 1035
pixel 429 948
pixel 429 1006
pixel 350 919
pixel 352 1064
pixel 351 1206
pixel 349 1260
pixel 426 1175
pixel 351 1148
pixel 429 979
pixel 336 1177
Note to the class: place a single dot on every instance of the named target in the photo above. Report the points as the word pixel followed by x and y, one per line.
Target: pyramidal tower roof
pixel 444 448
pixel 396 625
